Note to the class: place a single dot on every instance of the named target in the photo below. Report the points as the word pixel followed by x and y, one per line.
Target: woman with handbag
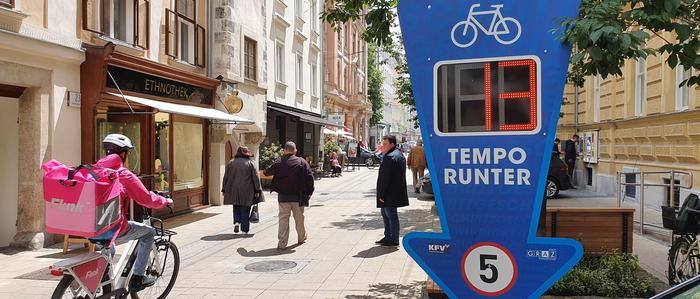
pixel 241 187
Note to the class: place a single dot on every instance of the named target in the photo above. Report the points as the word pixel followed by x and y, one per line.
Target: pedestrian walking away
pixel 391 190
pixel 570 153
pixel 293 181
pixel 241 188
pixel 555 148
pixel 416 161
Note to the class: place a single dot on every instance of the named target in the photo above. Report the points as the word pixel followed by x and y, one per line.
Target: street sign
pixel 488 79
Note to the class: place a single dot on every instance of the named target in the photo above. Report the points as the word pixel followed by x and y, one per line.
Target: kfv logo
pixel 505 30
pixel 438 248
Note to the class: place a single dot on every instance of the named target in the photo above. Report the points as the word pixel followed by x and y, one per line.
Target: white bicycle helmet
pixel 116 143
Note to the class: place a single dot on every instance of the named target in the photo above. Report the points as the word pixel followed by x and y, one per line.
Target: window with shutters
pixel 123 20
pixel 250 48
pixel 185 38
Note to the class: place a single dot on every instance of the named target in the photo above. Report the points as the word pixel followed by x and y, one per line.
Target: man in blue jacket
pixel 392 190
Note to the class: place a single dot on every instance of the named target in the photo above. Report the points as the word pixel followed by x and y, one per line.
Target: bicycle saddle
pixel 104 243
pixel 497 6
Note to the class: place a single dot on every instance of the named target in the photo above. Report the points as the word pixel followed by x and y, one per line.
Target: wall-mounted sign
pixel 590 147
pixel 73 99
pixel 156 86
pixel 233 103
pixel 488 78
pixel 337 118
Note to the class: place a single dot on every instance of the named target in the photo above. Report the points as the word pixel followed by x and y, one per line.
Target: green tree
pixel 404 90
pixel 604 35
pixel 374 85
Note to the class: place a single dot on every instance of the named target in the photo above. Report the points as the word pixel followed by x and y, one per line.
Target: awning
pixel 195 111
pixel 329 132
pixel 343 132
pixel 305 117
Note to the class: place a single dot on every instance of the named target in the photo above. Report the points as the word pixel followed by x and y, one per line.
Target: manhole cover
pixel 270 266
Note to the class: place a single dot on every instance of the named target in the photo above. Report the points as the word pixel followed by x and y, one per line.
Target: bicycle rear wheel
pixel 165 266
pixel 68 288
pixel 682 260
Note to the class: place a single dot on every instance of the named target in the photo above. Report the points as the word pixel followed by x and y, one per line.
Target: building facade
pixel 345 79
pixel 640 121
pixel 40 57
pixel 294 103
pixel 396 117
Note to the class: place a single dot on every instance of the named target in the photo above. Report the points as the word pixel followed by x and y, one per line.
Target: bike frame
pixel 496 16
pixel 116 280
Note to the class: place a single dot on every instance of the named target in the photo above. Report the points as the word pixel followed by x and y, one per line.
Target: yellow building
pixel 641 121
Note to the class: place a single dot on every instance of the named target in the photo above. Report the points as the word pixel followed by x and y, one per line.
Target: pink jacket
pixel 131 188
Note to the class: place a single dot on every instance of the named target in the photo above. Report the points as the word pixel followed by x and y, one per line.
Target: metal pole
pixel 618 193
pixel 641 202
pixel 672 193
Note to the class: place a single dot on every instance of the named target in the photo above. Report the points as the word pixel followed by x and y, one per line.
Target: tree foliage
pixel 605 34
pixel 374 85
pixel 404 90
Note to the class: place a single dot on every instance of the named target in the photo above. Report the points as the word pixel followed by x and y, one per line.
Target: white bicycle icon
pixel 499 26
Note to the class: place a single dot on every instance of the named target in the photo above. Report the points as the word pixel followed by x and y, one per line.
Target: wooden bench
pixel 600 230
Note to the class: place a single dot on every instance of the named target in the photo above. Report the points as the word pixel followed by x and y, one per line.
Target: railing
pixel 642 176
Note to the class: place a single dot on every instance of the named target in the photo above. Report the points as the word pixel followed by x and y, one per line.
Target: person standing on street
pixel 294 183
pixel 555 148
pixel 416 161
pixel 241 187
pixel 570 153
pixel 391 190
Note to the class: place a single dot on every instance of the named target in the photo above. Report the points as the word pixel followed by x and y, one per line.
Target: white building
pixel 40 57
pixel 397 118
pixel 294 103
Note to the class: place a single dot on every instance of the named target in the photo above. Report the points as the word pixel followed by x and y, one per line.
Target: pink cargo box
pixel 81 202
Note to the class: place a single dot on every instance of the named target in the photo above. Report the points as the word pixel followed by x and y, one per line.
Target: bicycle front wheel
pixel 682 259
pixel 164 264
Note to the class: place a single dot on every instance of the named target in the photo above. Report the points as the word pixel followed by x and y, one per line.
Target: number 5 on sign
pixel 489 269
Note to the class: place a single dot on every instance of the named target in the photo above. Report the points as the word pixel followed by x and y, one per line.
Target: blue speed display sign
pixel 488 79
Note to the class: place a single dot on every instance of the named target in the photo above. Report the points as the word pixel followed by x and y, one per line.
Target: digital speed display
pixel 487 96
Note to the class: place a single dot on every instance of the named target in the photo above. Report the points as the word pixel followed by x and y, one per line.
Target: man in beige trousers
pixel 293 181
pixel 416 162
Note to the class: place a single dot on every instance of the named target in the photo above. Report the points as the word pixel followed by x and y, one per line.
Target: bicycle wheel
pixel 459 33
pixel 369 162
pixel 682 260
pixel 509 28
pixel 164 266
pixel 68 288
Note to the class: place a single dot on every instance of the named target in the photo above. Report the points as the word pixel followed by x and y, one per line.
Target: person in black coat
pixel 570 153
pixel 294 183
pixel 391 190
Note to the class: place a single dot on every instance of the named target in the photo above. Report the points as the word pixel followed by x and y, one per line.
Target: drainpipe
pixel 576 92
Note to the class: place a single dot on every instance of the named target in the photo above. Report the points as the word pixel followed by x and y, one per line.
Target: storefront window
pixel 131 129
pixel 162 159
pixel 188 149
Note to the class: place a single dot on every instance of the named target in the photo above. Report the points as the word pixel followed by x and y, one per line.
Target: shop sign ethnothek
pixel 488 79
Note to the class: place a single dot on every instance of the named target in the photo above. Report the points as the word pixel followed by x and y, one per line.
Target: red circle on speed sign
pixel 489 269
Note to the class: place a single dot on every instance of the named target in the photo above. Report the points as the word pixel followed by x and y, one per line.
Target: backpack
pixel 684 221
pixel 82 201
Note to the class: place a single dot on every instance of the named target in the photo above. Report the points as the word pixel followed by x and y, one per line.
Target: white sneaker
pixel 236 227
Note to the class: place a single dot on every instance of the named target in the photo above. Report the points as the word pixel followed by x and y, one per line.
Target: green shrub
pixel 331 146
pixel 269 154
pixel 608 276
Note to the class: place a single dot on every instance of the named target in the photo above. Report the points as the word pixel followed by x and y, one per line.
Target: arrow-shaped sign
pixel 488 78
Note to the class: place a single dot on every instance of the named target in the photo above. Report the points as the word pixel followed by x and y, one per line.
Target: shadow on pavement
pixel 393 290
pixel 410 220
pixel 224 237
pixel 375 251
pixel 186 219
pixel 267 252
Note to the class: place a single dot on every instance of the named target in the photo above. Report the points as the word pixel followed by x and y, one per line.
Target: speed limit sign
pixel 489 269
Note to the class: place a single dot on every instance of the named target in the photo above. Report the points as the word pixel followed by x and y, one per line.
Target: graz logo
pixel 91 274
pixel 438 248
pixel 505 30
pixel 547 255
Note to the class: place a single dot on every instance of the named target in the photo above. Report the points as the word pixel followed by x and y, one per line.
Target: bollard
pixel 641 202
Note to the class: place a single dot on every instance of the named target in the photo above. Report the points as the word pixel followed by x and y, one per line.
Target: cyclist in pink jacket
pixel 117 147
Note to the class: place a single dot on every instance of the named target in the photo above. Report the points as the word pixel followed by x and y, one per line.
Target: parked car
pixel 370 159
pixel 557 178
pixel 688 289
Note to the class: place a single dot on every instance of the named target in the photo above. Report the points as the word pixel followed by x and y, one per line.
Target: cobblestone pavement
pixel 339 260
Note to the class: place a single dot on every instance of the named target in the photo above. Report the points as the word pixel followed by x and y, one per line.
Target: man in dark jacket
pixel 294 183
pixel 391 190
pixel 570 153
